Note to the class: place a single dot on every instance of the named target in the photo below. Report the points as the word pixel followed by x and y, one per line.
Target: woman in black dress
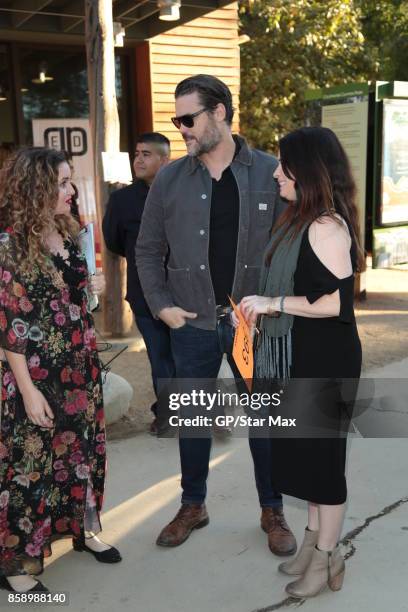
pixel 52 436
pixel 308 331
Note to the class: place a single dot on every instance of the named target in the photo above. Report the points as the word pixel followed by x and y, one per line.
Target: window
pixel 53 85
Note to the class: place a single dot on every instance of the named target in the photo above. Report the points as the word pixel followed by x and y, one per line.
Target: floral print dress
pixel 51 480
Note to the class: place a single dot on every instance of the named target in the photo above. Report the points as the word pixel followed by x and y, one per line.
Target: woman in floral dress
pixel 52 437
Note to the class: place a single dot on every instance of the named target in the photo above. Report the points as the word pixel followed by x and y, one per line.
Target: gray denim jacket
pixel 177 217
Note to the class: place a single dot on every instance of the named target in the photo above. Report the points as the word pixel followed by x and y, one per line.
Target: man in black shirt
pixel 121 226
pixel 224 223
pixel 213 209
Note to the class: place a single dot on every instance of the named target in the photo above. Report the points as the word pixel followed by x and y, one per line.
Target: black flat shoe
pixel 37 588
pixel 112 555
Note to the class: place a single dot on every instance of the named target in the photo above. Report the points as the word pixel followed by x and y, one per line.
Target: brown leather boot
pixel 189 517
pixel 298 565
pixel 281 540
pixel 325 569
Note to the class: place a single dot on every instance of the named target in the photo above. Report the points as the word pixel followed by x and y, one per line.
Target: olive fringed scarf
pixel 274 352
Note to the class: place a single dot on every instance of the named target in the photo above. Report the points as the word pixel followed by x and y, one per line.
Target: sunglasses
pixel 187 120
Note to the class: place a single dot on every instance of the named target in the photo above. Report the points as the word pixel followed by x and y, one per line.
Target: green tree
pixel 295 46
pixel 385 28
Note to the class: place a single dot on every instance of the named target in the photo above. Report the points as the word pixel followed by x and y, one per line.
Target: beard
pixel 208 141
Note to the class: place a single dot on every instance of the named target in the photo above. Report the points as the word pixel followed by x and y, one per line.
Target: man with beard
pixel 120 226
pixel 213 209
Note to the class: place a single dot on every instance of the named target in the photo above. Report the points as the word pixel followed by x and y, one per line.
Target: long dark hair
pixel 315 159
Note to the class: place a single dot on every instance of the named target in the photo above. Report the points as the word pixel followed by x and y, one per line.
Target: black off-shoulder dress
pixel 327 349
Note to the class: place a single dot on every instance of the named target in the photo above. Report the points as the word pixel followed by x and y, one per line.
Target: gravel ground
pixel 382 322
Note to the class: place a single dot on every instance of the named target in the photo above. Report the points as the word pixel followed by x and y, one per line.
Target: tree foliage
pixel 385 28
pixel 295 46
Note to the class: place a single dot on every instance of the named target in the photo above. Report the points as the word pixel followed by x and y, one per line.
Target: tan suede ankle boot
pixel 325 569
pixel 298 565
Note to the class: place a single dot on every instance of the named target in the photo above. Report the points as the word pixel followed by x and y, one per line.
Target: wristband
pixel 273 312
pixel 281 303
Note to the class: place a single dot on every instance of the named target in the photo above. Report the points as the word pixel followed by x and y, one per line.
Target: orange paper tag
pixel 242 351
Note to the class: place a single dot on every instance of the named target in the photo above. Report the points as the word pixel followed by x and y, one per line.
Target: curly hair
pixel 28 198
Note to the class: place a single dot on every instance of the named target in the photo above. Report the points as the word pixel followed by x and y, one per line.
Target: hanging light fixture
pixel 43 77
pixel 169 9
pixel 3 96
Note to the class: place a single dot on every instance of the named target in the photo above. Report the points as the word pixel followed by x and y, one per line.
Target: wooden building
pixel 44 86
pixel 43 63
pixel 208 44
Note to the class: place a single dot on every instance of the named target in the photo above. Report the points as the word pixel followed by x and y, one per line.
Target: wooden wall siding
pixel 208 45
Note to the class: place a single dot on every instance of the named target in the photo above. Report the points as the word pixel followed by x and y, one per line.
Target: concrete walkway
pixel 227 567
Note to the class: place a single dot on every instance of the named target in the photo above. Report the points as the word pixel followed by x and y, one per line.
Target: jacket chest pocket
pixel 262 205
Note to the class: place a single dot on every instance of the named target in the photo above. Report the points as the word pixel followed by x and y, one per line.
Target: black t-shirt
pixel 224 224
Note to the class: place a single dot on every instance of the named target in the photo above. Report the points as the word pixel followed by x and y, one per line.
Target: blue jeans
pixel 156 336
pixel 198 354
pixel 261 455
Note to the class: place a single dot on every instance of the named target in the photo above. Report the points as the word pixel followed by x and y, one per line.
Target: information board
pixel 349 121
pixel 394 180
